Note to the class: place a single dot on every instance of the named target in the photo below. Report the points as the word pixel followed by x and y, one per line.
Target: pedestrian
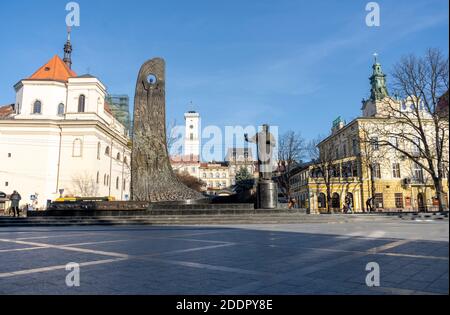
pixel 369 204
pixel 348 204
pixel 15 202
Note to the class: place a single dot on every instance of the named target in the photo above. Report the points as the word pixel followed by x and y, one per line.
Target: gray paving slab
pixel 246 259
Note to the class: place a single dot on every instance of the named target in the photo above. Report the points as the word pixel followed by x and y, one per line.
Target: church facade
pixel 60 138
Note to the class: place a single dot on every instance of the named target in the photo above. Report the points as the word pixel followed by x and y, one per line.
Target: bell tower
pixel 378 82
pixel 68 49
pixel 192 136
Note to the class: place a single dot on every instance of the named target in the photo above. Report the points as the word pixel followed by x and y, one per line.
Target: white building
pixel 218 177
pixel 60 138
pixel 192 135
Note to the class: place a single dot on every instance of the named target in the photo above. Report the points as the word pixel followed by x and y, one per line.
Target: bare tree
pixel 191 181
pixel 172 136
pixel 291 150
pixel 325 162
pixel 419 131
pixel 84 185
pixel 372 157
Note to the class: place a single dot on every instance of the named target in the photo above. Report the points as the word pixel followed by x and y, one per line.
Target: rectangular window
pixel 355 146
pixel 394 141
pixel 396 170
pixel 379 201
pixel 374 144
pixel 418 173
pixel 399 201
pixel 416 146
pixel 9 155
pixel 355 169
pixel 376 169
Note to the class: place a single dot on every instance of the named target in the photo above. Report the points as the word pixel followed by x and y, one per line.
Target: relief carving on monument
pixel 152 177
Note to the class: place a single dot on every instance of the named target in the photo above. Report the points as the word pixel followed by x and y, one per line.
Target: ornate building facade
pixel 360 168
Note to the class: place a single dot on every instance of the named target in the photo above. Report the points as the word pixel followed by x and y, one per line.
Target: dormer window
pixel 81 103
pixel 37 108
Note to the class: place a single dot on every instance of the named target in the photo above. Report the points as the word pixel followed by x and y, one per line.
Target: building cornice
pixel 65 123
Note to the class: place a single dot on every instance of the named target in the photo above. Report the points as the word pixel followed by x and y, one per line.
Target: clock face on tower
pixel 192 127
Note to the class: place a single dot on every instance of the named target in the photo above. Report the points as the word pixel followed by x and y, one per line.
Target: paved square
pixel 310 258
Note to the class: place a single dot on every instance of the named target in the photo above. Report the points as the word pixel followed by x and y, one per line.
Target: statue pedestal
pixel 267 195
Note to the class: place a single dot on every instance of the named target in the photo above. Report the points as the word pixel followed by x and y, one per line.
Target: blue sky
pixel 292 63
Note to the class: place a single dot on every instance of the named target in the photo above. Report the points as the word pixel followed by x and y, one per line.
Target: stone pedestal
pixel 267 195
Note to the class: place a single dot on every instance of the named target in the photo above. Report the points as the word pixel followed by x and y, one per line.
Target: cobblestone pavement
pixel 305 258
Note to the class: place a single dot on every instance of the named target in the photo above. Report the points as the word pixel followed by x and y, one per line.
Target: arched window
pixel 107 151
pixel 99 148
pixel 104 179
pixel 117 182
pixel 125 161
pixel 118 156
pixel 98 177
pixel 322 201
pixel 336 201
pixel 37 108
pixel 81 103
pixel 61 109
pixel 77 148
pixel 124 184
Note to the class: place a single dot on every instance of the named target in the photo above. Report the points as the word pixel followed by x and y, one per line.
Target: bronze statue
pixel 152 177
pixel 265 144
pixel 267 189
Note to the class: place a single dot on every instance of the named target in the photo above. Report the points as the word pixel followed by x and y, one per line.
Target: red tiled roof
pixel 55 70
pixel 6 111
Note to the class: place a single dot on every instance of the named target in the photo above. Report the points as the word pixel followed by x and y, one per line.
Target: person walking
pixel 15 202
pixel 369 204
pixel 348 204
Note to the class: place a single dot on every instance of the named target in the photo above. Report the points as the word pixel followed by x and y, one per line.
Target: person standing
pixel 15 202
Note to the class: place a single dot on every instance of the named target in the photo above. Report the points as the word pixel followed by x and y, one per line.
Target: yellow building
pixel 354 167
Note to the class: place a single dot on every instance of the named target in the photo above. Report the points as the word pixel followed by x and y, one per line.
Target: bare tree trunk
pixel 439 192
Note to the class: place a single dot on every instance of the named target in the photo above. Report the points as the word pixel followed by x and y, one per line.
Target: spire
pixel 378 81
pixel 68 50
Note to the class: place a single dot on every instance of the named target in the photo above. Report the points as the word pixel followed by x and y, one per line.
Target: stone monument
pixel 152 177
pixel 267 189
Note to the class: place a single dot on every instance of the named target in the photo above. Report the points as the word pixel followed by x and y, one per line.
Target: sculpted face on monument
pixel 152 177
